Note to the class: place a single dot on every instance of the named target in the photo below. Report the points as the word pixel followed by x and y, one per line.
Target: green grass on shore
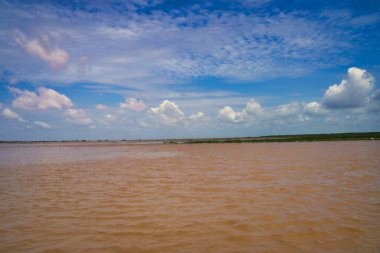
pixel 292 138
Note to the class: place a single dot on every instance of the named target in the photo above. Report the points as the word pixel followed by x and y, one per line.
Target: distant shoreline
pixel 259 139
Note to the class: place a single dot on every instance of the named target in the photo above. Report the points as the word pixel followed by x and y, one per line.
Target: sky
pixel 153 69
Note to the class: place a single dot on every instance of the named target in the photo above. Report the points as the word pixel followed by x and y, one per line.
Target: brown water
pixel 267 197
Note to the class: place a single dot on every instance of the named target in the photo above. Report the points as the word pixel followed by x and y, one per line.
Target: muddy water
pixel 267 197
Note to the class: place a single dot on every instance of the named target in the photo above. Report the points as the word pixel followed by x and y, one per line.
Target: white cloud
pixel 376 95
pixel 42 48
pixel 27 100
pixel 287 109
pixel 45 99
pixel 374 104
pixel 143 123
pixel 168 112
pixel 107 119
pixel 227 114
pixel 352 92
pixel 101 107
pixel 48 99
pixel 133 104
pixel 9 114
pixel 77 116
pixel 313 108
pixel 52 99
pixel 252 111
pixel 199 116
pixel 252 107
pixel 42 124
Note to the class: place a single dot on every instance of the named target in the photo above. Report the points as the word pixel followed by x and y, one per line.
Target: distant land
pixel 269 138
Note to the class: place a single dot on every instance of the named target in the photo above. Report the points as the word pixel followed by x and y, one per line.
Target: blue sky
pixel 170 69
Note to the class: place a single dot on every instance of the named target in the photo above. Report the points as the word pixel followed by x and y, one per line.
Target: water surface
pixel 254 197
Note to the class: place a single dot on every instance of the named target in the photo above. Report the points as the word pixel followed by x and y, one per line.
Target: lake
pixel 251 197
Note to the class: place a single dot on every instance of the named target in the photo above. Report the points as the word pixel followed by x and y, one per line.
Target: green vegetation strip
pixel 290 138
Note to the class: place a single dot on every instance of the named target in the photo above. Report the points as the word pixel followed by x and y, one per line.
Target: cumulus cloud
pixel 9 114
pixel 251 111
pixel 168 112
pixel 199 116
pixel 100 107
pixel 287 109
pixel 42 48
pixel 45 99
pixel 252 107
pixel 313 108
pixel 107 119
pixel 133 104
pixel 352 92
pixel 227 114
pixel 42 124
pixel 78 117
